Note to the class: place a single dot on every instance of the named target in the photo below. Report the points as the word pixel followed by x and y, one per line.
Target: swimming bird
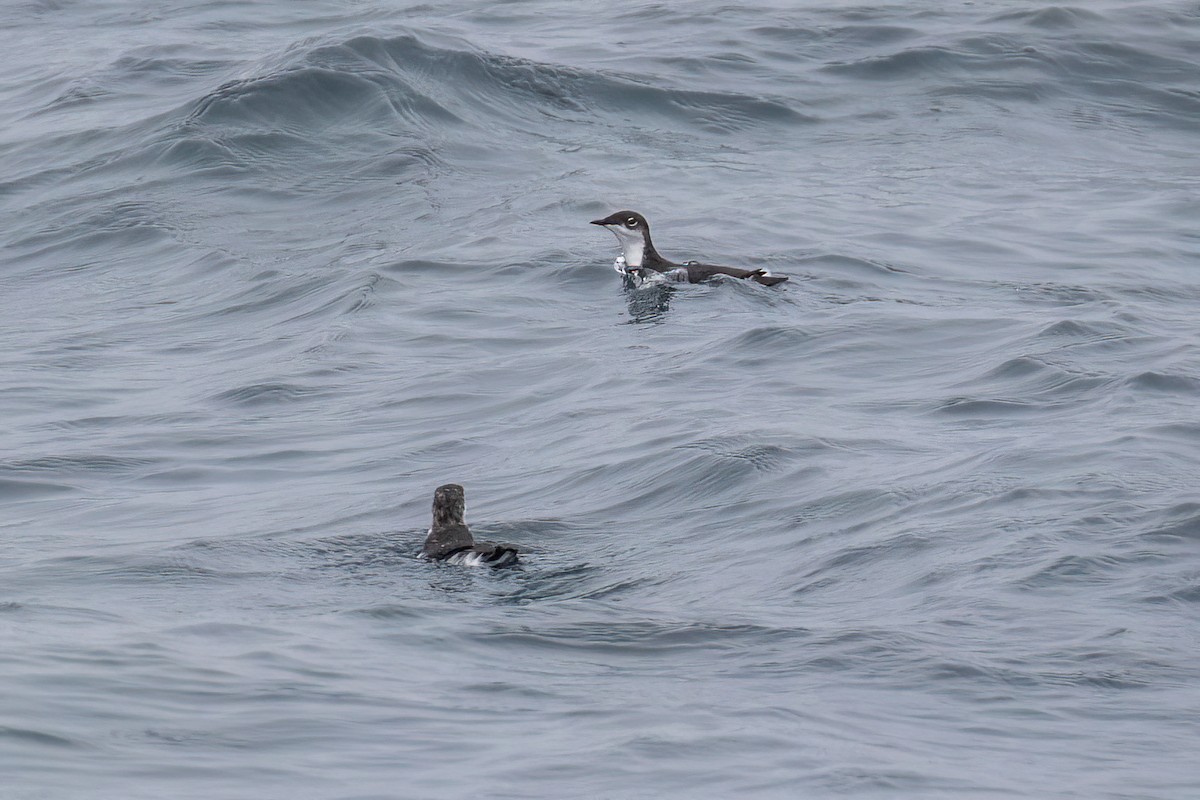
pixel 633 232
pixel 450 539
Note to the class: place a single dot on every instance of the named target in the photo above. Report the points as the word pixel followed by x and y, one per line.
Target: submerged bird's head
pixel 448 505
pixel 632 231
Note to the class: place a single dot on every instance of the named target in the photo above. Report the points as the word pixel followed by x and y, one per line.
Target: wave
pixel 407 82
pixel 1147 71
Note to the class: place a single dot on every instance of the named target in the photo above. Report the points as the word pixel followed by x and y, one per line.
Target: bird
pixel 450 539
pixel 633 232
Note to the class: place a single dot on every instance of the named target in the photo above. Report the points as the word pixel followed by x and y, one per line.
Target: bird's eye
pixel 631 222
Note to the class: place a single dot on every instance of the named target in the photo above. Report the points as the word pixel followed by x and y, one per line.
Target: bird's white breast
pixel 633 246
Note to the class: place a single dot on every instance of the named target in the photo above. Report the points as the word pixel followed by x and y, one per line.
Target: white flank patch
pixel 651 278
pixel 465 559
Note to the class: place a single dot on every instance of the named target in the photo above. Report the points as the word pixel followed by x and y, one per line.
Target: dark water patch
pixel 649 304
pixel 274 457
pixel 765 457
pixel 504 84
pixel 269 394
pixel 1122 680
pixel 190 738
pixel 850 559
pixel 204 156
pixel 1180 523
pixel 155 65
pixel 1164 382
pixel 775 341
pixel 1018 677
pixel 425 268
pixel 1036 380
pixel 47 613
pixel 1059 294
pixel 102 422
pixel 1079 329
pixel 723 113
pixel 361 297
pixel 364 559
pixel 867 643
pixel 556 576
pixel 357 553
pixel 902 65
pixel 227 631
pixel 277 294
pixel 986 408
pixel 646 637
pixel 124 224
pixel 1015 368
pixel 1166 294
pixel 325 302
pixel 1174 432
pixel 531 530
pixel 839 506
pixel 80 464
pixel 1069 569
pixel 175 572
pixel 850 265
pixel 1098 60
pixel 80 94
pixel 391 611
pixel 481 74
pixel 28 736
pixel 91 154
pixel 1051 17
pixel 675 479
pixel 507 688
pixel 842 35
pixel 18 490
pixel 1187 594
pixel 1129 78
pixel 309 99
pixel 1074 340
pixel 132 75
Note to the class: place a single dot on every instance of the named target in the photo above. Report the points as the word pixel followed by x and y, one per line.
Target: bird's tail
pixel 766 278
pixel 490 554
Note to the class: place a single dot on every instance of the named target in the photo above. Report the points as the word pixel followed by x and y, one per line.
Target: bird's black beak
pixel 600 222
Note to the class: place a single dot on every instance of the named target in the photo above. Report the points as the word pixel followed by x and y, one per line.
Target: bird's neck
pixel 634 251
pixel 639 252
pixel 449 514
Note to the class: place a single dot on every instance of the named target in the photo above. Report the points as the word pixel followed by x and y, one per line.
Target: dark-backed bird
pixel 633 232
pixel 450 539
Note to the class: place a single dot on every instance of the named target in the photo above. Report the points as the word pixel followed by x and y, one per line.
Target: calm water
pixel 922 523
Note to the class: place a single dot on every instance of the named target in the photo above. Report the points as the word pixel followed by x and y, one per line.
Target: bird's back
pixel 485 554
pixel 702 272
pixel 444 540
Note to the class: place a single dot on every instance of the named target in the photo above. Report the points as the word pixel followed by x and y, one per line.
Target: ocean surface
pixel 923 522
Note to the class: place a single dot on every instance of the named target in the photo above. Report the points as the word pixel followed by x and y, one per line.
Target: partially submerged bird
pixel 640 257
pixel 450 539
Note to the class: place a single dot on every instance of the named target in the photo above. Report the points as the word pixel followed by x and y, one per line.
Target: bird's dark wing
pixel 446 540
pixel 702 272
pixel 495 554
pixel 767 280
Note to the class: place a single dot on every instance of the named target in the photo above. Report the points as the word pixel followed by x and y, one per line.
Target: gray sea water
pixel 921 523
